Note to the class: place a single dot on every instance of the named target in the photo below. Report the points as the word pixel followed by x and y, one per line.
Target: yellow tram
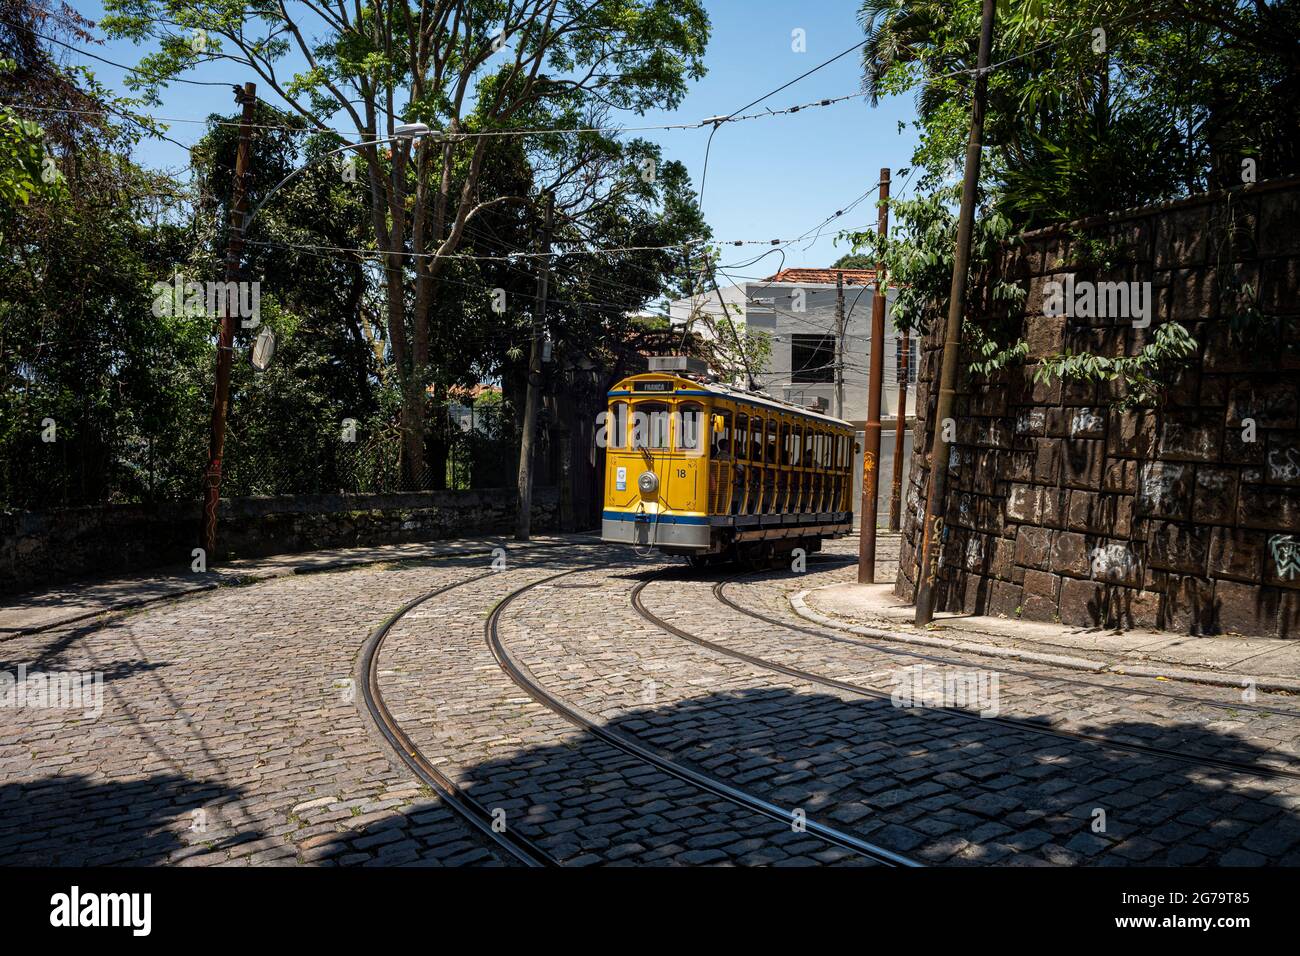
pixel 697 468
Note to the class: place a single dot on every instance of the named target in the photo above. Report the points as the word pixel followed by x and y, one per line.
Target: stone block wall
pixel 1065 505
pixel 38 548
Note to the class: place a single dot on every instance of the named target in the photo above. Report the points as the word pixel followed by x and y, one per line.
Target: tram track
pixel 474 813
pixel 522 677
pixel 720 593
pixel 517 846
pixel 1010 723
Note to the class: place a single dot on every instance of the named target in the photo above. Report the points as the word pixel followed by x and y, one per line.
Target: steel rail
pixel 477 815
pixel 522 678
pixel 719 591
pixel 1011 723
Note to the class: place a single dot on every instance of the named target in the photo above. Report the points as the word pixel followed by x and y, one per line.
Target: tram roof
pixel 725 391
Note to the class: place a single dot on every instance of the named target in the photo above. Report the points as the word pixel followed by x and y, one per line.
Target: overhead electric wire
pixel 133 69
pixel 442 136
pixel 717 121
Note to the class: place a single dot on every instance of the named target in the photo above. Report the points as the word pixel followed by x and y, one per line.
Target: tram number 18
pixel 681 472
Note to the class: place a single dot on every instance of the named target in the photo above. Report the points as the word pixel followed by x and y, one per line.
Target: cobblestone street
pixel 601 707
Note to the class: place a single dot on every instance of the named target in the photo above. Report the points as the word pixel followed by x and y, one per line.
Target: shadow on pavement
pixel 939 787
pixel 72 820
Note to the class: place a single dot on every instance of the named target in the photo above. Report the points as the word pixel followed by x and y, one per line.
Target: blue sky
pixel 772 178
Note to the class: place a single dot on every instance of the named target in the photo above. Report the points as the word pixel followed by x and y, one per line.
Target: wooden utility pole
pixel 896 489
pixel 247 97
pixel 936 500
pixel 875 384
pixel 839 343
pixel 523 519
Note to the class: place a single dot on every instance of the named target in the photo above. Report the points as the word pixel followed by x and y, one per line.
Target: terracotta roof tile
pixel 823 276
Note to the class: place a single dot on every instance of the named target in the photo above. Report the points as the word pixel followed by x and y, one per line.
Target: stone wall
pixel 1182 515
pixel 39 548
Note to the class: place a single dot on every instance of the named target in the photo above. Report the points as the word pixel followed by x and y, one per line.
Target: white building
pixel 796 307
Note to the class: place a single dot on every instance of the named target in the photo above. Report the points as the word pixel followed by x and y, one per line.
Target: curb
pixel 799 603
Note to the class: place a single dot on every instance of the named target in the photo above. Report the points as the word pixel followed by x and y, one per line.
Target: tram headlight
pixel 648 483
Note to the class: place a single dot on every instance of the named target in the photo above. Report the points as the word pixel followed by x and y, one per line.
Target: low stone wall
pixel 39 548
pixel 1065 505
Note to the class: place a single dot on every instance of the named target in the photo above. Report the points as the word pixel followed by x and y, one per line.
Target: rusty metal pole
pixel 533 399
pixel 247 97
pixel 875 384
pixel 932 532
pixel 900 427
pixel 839 344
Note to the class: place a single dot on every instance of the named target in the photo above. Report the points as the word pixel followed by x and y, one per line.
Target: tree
pixel 1097 104
pixel 95 390
pixel 1092 105
pixel 851 260
pixel 470 69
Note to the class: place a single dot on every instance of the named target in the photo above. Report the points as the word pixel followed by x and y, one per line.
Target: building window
pixel 812 358
pixel 914 356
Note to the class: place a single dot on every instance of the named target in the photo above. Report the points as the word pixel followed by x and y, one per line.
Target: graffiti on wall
pixel 1285 549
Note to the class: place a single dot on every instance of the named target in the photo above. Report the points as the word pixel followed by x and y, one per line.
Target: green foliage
pixel 129 387
pixel 1096 252
pixel 851 260
pixel 988 356
pixel 918 255
pixel 1093 105
pixel 1166 100
pixel 82 349
pixel 557 67
pixel 1143 379
pixel 20 159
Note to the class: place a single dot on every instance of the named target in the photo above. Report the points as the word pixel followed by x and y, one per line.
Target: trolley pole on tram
pixel 875 384
pixel 936 500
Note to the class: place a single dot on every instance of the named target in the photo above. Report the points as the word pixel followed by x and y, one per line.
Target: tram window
pixel 790 446
pixel 839 451
pixel 738 437
pixel 809 440
pixel 756 440
pixel 722 436
pixel 821 450
pixel 650 425
pixel 616 426
pixel 796 443
pixel 690 417
pixel 772 438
